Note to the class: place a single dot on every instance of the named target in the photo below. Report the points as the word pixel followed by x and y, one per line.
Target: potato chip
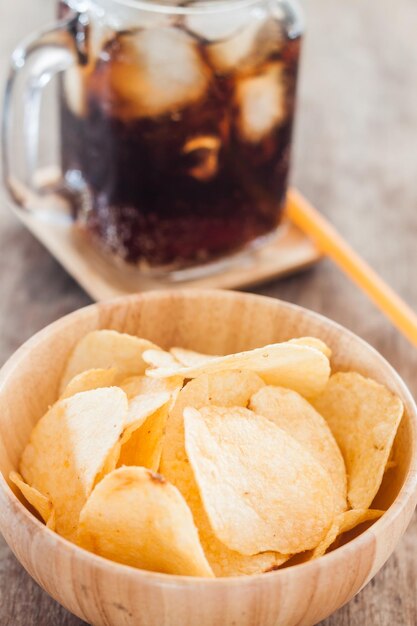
pixel 51 523
pixel 260 488
pixel 189 358
pixel 363 417
pixel 144 445
pixel 111 461
pixel 313 342
pixel 225 562
pixel 40 503
pixel 160 358
pixel 140 408
pixel 138 385
pixel 69 447
pixel 149 402
pixel 297 367
pixel 343 523
pixel 291 412
pixel 223 389
pixel 90 379
pixel 104 349
pixel 137 518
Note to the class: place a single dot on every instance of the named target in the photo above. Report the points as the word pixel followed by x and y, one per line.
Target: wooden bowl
pixel 105 593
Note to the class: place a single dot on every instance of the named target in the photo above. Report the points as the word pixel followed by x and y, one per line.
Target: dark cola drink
pixel 176 131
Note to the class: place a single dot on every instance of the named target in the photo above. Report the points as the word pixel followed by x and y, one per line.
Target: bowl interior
pixel 212 322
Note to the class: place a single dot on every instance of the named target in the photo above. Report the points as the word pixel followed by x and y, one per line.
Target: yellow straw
pixel 328 241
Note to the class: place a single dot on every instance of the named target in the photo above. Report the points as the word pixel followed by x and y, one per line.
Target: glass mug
pixel 175 123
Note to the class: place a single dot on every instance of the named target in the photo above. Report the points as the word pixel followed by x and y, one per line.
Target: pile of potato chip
pixel 261 455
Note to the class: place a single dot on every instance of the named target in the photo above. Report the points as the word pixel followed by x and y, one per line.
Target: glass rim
pixel 202 6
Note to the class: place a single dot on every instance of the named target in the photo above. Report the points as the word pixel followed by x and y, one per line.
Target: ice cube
pixel 218 26
pixel 262 103
pixel 156 72
pixel 107 24
pixel 230 53
pixel 250 46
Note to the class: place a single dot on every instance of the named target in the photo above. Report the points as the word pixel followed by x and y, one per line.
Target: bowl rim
pixel 407 492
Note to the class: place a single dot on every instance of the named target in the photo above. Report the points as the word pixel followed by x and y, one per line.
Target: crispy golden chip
pixel 40 503
pixel 149 402
pixel 225 562
pixel 313 342
pixel 144 444
pixel 138 385
pixel 291 412
pixel 260 488
pixel 141 408
pixel 111 461
pixel 88 380
pixel 301 368
pixel 363 417
pixel 223 389
pixel 105 349
pixel 342 524
pixel 69 447
pixel 189 358
pixel 161 358
pixel 51 523
pixel 137 518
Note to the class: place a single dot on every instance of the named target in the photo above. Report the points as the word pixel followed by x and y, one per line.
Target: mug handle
pixel 34 62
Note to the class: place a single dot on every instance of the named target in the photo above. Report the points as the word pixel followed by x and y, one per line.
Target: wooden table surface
pixel 355 158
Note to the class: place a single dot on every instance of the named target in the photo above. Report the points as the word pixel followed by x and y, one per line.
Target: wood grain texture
pixel 214 322
pixel 355 152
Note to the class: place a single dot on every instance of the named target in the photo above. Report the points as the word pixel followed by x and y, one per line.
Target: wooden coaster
pixel 289 252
